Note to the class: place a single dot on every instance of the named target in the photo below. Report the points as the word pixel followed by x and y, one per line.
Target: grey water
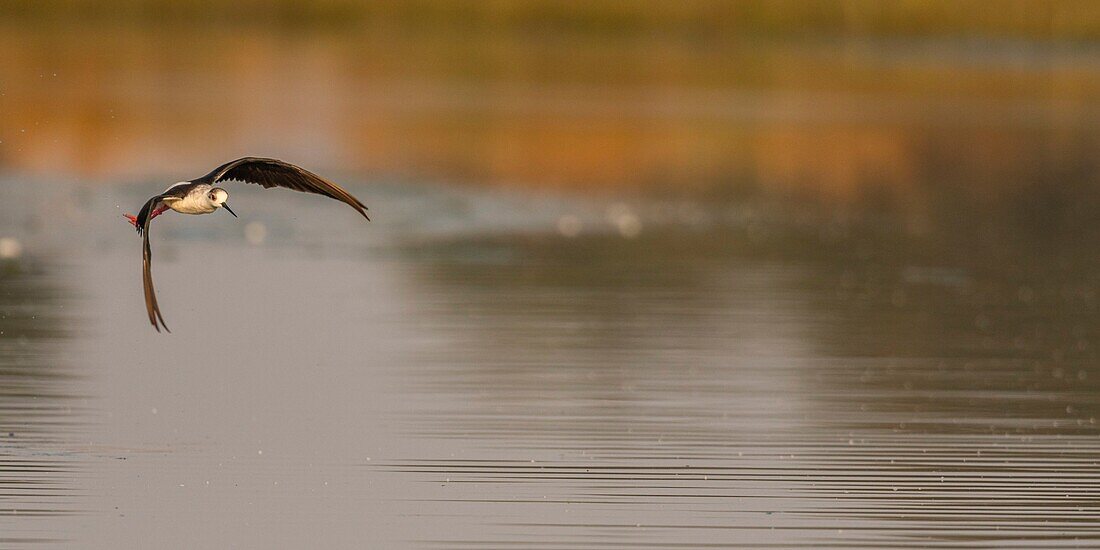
pixel 489 369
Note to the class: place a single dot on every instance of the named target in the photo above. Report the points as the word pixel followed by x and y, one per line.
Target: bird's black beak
pixel 227 209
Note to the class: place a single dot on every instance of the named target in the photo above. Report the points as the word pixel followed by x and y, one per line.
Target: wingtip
pixel 158 321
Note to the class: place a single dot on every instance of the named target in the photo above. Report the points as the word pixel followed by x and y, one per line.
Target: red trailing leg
pixel 156 212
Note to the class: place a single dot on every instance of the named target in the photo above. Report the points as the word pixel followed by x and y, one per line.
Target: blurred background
pixel 918 109
pixel 695 273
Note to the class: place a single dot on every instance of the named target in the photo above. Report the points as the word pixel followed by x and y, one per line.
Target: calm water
pixel 459 374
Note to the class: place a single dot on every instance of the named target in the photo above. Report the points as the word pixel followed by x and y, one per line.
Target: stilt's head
pixel 217 197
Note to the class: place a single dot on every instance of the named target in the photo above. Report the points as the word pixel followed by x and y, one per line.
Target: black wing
pixel 151 306
pixel 276 173
pixel 146 210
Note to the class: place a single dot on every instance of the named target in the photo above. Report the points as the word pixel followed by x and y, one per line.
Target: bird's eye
pixel 213 196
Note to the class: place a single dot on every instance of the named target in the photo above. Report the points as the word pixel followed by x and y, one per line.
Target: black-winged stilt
pixel 199 196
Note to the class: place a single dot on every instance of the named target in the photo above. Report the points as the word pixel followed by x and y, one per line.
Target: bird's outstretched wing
pixel 276 173
pixel 142 224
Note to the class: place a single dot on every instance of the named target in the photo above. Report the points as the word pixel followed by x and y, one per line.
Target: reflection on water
pixel 460 373
pixel 849 113
pixel 635 394
pixel 39 411
pixel 866 315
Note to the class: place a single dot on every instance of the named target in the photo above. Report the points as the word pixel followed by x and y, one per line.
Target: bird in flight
pixel 200 196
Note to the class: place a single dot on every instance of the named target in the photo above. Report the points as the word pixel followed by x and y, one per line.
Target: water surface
pixel 460 374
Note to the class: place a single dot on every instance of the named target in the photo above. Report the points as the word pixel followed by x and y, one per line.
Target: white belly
pixel 192 204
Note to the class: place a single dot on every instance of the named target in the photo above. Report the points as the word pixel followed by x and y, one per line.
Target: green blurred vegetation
pixel 1031 19
pixel 916 112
